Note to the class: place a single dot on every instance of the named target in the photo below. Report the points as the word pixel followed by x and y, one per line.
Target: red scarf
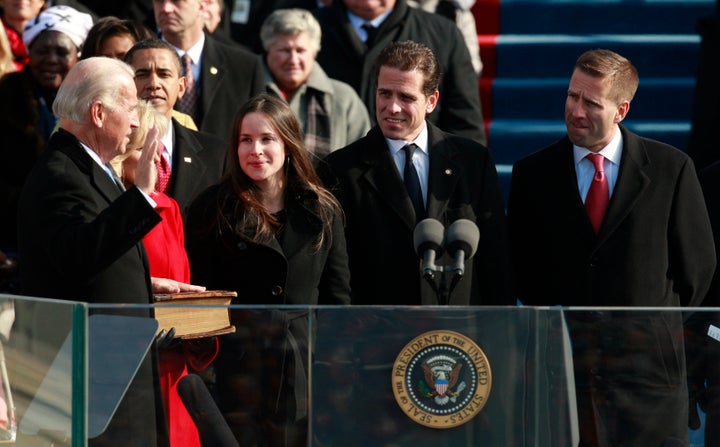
pixel 17 46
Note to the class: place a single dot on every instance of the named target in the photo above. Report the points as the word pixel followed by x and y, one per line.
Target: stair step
pixel 553 56
pixel 656 98
pixel 602 16
pixel 529 48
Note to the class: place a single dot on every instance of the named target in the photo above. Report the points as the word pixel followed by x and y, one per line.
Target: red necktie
pixel 598 195
pixel 188 103
pixel 163 179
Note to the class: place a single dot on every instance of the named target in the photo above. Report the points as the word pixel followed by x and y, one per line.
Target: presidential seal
pixel 441 379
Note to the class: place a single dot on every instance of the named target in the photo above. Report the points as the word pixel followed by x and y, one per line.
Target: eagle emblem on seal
pixel 441 377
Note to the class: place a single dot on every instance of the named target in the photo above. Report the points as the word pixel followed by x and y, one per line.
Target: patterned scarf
pixel 317 128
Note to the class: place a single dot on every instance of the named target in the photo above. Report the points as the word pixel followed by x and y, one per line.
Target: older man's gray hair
pixel 290 22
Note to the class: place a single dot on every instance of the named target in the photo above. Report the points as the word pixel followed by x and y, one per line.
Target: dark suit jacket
pixel 285 271
pixel 380 219
pixel 654 248
pixel 198 162
pixel 80 239
pixel 230 76
pixel 346 58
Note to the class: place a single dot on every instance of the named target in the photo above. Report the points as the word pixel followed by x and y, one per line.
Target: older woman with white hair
pixel 330 112
pixel 54 39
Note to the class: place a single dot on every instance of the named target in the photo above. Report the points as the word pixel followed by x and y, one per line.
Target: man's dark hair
pixel 409 56
pixel 154 43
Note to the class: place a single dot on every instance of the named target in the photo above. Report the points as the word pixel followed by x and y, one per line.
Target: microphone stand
pixel 461 239
pixel 444 293
pixel 440 287
pixel 429 275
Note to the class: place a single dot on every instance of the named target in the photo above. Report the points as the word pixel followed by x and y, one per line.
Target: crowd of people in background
pixel 286 150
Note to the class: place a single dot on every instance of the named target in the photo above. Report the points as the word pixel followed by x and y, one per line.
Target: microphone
pixel 428 239
pixel 211 424
pixel 461 243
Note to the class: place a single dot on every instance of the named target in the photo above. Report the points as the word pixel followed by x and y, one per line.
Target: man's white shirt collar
pixel 195 51
pixel 612 152
pixel 585 170
pixel 167 140
pixel 421 141
pixel 96 157
pixel 357 22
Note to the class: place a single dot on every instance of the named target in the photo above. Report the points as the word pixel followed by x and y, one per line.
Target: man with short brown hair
pixel 374 179
pixel 607 218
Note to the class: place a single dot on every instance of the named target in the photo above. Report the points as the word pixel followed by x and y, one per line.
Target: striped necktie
pixel 188 103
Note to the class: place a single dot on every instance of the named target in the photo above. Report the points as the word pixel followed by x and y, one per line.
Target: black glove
pixel 696 391
pixel 696 364
pixel 166 339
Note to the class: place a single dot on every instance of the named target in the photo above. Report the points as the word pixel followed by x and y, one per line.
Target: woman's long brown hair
pixel 245 206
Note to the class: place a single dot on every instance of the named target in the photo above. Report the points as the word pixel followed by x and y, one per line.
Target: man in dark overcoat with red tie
pixel 633 231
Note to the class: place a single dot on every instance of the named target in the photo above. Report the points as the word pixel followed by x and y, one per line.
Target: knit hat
pixel 67 20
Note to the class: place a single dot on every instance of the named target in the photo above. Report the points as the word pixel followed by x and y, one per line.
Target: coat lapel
pixel 102 181
pixel 302 226
pixel 96 174
pixel 443 176
pixel 187 164
pixel 558 179
pixel 384 179
pixel 631 183
pixel 213 71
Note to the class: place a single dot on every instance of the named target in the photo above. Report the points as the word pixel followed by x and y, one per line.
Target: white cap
pixel 67 20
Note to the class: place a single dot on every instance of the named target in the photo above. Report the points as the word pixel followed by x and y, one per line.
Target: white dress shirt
pixel 585 169
pixel 195 53
pixel 421 158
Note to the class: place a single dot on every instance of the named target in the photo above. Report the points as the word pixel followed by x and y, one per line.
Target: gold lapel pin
pixel 187 159
pixel 448 172
pixel 213 70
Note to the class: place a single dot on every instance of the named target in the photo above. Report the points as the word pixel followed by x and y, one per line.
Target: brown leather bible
pixel 195 314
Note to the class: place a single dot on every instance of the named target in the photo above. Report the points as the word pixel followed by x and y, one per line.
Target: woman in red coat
pixel 165 247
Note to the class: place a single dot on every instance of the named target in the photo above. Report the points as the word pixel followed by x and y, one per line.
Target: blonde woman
pixel 165 242
pixel 6 56
pixel 15 16
pixel 166 255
